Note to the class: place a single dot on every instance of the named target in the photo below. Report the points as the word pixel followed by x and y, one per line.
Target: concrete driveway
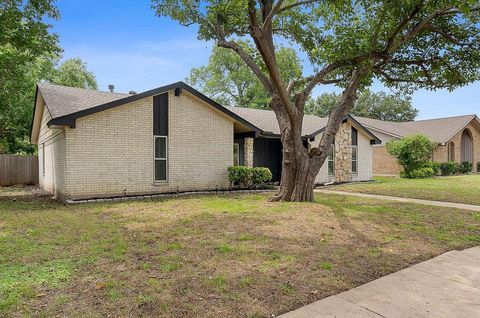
pixel 445 286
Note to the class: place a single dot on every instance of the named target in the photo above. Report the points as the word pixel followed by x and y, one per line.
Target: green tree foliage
pixel 404 44
pixel 369 104
pixel 231 82
pixel 26 49
pixel 74 73
pixel 413 154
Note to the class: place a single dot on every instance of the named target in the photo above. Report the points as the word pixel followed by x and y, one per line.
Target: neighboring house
pixel 457 139
pixel 170 139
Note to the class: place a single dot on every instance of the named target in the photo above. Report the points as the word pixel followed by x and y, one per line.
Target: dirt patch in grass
pixel 209 256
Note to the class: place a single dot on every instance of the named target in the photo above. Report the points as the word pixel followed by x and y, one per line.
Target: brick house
pixel 95 144
pixel 457 139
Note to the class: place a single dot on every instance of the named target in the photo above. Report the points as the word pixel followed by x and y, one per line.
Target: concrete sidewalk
pixel 445 286
pixel 462 206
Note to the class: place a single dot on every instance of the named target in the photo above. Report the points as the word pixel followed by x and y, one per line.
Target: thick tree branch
pixel 249 61
pixel 347 101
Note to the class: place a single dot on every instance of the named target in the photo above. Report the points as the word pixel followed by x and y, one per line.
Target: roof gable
pixel 439 130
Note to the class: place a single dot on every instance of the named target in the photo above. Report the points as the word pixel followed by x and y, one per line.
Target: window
pixel 43 158
pixel 236 154
pixel 160 158
pixel 354 159
pixel 354 150
pixel 331 161
pixel 451 152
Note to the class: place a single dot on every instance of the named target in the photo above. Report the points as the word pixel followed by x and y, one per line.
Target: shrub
pixel 261 175
pixel 248 176
pixel 478 167
pixel 412 152
pixel 465 167
pixel 448 168
pixel 239 174
pixel 420 173
pixel 434 165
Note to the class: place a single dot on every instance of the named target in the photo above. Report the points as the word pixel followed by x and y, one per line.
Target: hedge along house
pixel 94 144
pixel 457 139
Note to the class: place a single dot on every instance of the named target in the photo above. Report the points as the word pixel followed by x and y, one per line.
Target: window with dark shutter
pixel 160 137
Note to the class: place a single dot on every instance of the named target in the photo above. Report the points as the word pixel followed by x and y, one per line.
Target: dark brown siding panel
pixel 160 115
pixel 267 152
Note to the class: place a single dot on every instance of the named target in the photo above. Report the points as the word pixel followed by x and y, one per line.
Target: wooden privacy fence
pixel 16 169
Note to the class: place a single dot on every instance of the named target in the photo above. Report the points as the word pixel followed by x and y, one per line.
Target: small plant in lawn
pixel 287 288
pixel 326 266
pixel 224 248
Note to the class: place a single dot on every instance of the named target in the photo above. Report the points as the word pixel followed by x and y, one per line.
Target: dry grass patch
pixel 209 256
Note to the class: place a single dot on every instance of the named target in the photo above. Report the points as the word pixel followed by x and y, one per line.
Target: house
pixel 457 139
pixel 170 139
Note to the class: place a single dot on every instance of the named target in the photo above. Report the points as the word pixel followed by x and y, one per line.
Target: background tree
pixel 369 104
pixel 26 51
pixel 403 44
pixel 231 82
pixel 74 73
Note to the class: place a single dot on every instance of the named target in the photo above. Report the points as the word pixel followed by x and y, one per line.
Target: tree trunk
pixel 299 169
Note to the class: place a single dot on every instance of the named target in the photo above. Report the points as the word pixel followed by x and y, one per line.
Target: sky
pixel 125 44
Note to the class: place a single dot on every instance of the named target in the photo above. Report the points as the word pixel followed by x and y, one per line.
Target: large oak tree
pixel 406 44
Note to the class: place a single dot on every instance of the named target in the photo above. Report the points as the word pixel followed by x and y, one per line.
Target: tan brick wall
pixel 51 150
pixel 384 163
pixel 442 154
pixel 110 153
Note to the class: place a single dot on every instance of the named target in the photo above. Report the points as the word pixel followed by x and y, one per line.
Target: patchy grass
pixel 459 189
pixel 211 256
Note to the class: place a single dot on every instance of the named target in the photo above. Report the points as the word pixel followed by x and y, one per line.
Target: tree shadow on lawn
pixel 236 255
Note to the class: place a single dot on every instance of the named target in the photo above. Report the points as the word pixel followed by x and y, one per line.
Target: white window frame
pixel 155 159
pixel 332 159
pixel 356 160
pixel 237 145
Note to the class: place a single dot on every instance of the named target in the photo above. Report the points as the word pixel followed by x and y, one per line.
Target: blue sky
pixel 124 44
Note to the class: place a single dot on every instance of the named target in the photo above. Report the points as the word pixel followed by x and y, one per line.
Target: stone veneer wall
pixel 343 153
pixel 248 152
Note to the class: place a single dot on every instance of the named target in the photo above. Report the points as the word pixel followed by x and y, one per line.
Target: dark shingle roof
pixel 267 121
pixel 439 130
pixel 65 104
pixel 63 100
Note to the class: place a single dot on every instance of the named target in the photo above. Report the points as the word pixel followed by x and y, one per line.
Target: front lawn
pixel 460 189
pixel 209 256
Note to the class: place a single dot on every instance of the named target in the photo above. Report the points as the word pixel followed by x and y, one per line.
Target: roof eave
pixel 374 138
pixel 70 119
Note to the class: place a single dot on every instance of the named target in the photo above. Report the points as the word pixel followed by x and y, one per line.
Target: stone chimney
pixel 111 88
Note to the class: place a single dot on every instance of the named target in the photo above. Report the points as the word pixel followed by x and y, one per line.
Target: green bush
pixel 261 175
pixel 435 166
pixel 448 168
pixel 478 167
pixel 239 174
pixel 419 173
pixel 412 152
pixel 465 167
pixel 248 176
